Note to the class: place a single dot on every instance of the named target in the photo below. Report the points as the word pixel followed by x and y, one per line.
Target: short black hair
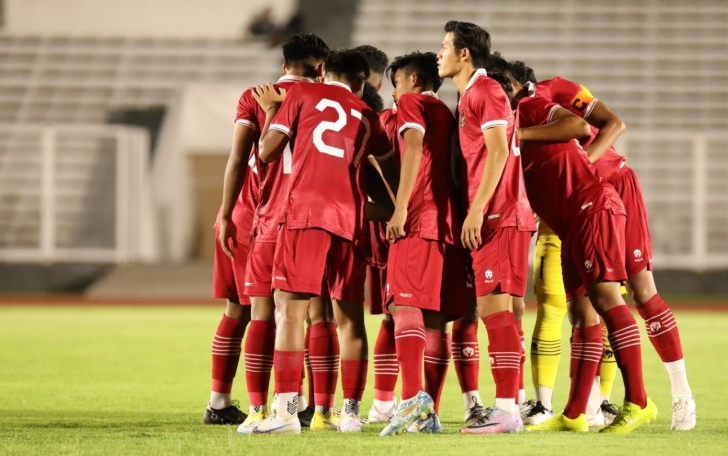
pixel 348 63
pixel 497 64
pixel 376 58
pixel 504 82
pixel 476 39
pixel 522 72
pixel 304 46
pixel 424 64
pixel 372 98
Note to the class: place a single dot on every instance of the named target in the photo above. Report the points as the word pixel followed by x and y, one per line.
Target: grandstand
pixel 74 188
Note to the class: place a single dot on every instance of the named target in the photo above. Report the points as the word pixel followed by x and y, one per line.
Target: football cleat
pixel 430 425
pixel 495 421
pixel 561 423
pixel 474 413
pixel 630 417
pixel 252 421
pixel 324 422
pixel 609 411
pixel 306 416
pixel 350 423
pixel 418 407
pixel 228 415
pixel 525 407
pixel 276 425
pixel 537 414
pixel 381 416
pixel 683 414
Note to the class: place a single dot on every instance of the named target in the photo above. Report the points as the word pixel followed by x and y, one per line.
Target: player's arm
pixel 387 169
pixel 272 142
pixel 610 128
pixel 235 172
pixel 564 126
pixel 496 142
pixel 411 160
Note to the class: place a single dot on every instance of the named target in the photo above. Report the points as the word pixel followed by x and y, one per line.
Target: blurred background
pixel 116 120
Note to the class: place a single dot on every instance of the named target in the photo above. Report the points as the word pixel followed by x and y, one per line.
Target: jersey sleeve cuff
pixel 247 123
pixel 407 126
pixel 282 128
pixel 494 123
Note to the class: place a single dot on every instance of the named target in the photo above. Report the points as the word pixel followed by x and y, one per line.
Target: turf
pixel 121 380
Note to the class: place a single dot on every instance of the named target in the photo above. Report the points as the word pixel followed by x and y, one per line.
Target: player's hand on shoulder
pixel 268 96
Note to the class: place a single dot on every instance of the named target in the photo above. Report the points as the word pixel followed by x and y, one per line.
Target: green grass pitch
pixel 135 380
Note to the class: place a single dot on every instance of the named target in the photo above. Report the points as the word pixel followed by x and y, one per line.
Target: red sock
pixel 466 354
pixel 259 360
pixel 287 365
pixel 437 360
pixel 522 362
pixel 307 373
pixel 409 336
pixel 587 345
pixel 504 351
pixel 624 337
pixel 354 377
pixel 386 368
pixel 226 353
pixel 323 354
pixel 661 329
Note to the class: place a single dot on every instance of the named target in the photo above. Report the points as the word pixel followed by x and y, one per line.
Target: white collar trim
pixel 478 73
pixel 290 77
pixel 340 84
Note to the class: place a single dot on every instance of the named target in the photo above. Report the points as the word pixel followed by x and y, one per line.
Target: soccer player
pixel 551 309
pixel 425 223
pixel 499 221
pixel 659 320
pixel 589 217
pixel 318 246
pixel 304 55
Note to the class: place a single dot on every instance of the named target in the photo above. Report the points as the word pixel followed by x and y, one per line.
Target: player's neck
pixel 462 77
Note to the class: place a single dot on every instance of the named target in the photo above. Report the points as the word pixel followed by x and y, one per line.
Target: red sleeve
pixel 410 114
pixel 378 143
pixel 535 111
pixel 287 116
pixel 490 104
pixel 247 108
pixel 572 96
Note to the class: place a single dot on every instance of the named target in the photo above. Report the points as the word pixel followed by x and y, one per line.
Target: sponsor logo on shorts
pixel 494 216
pixel 488 276
pixel 280 278
pixel 249 284
pixel 588 265
pixel 406 295
pixel 638 255
pixel 586 205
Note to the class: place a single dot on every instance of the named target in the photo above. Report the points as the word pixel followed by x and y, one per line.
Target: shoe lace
pixel 623 415
pixel 537 409
pixel 680 410
pixel 477 410
pixel 609 408
pixel 235 403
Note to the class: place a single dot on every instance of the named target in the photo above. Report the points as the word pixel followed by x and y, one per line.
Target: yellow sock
pixel 608 368
pixel 546 340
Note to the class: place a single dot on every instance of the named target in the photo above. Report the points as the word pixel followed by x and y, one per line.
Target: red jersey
pixel 484 105
pixel 388 117
pixel 274 179
pixel 579 100
pixel 431 209
pixel 333 131
pixel 562 184
pixel 248 114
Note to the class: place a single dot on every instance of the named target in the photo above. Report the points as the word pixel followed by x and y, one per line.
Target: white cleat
pixel 379 416
pixel 683 414
pixel 275 425
pixel 350 423
pixel 537 414
pixel 597 420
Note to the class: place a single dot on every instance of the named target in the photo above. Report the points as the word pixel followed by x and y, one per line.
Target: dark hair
pixel 504 82
pixel 424 64
pixel 348 63
pixel 522 72
pixel 497 64
pixel 376 58
pixel 372 98
pixel 304 46
pixel 475 39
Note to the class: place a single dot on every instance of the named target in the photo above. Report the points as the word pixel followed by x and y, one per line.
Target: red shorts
pixel 593 250
pixel 228 276
pixel 303 257
pixel 502 260
pixel 414 273
pixel 637 242
pixel 259 271
pixel 377 280
pixel 457 283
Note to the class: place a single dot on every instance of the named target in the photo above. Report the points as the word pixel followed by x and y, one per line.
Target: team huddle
pixel 326 192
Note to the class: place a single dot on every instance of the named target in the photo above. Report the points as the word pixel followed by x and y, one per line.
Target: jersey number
pixel 337 126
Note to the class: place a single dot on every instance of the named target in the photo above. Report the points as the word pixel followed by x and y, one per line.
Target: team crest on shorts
pixel 462 117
